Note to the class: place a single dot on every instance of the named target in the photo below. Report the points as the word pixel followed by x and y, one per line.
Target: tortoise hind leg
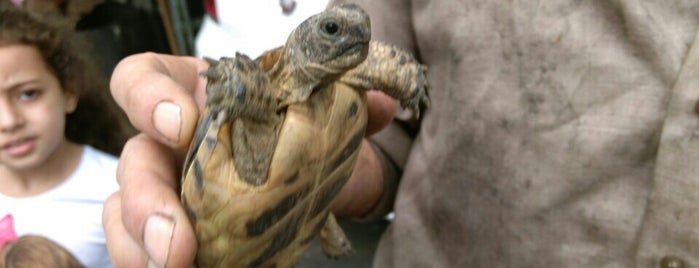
pixel 333 240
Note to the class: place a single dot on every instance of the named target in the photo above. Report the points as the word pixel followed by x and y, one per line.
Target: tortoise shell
pixel 280 136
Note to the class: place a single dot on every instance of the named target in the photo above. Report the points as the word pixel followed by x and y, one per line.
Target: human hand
pixel 364 188
pixel 145 222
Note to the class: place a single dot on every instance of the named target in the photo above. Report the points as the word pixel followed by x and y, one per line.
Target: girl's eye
pixel 29 94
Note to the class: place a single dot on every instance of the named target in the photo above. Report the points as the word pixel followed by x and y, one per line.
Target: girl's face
pixel 33 108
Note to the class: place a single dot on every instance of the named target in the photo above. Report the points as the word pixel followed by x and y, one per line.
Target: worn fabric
pixel 562 134
pixel 71 213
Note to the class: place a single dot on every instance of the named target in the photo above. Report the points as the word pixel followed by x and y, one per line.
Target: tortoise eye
pixel 331 27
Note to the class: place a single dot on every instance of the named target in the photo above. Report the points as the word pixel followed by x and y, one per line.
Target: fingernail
pixel 166 120
pixel 157 238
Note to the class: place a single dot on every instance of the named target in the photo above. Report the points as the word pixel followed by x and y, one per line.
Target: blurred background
pixel 202 28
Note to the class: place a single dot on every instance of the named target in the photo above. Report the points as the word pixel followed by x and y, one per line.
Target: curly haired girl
pixel 59 132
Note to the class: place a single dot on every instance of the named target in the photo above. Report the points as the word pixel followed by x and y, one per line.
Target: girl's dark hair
pixel 97 120
pixel 32 251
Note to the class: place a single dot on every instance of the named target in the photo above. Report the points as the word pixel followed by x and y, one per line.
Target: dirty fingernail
pixel 167 120
pixel 157 238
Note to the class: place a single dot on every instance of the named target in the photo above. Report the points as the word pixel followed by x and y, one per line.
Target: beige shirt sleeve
pixel 390 23
pixel 673 207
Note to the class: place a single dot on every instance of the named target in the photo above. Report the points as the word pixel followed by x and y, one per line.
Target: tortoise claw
pixel 419 99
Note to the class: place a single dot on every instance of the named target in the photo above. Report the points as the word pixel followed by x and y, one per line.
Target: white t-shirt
pixel 71 213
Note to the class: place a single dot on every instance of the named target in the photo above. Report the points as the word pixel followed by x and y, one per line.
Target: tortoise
pixel 279 137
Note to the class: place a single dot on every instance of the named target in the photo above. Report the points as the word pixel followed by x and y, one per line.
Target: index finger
pixel 161 95
pixel 148 179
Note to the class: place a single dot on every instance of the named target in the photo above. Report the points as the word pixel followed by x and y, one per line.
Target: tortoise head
pixel 330 42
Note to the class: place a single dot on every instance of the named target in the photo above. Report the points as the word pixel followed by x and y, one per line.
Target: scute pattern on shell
pixel 280 136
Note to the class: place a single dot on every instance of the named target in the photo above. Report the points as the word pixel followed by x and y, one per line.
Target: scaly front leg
pixel 238 92
pixel 393 71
